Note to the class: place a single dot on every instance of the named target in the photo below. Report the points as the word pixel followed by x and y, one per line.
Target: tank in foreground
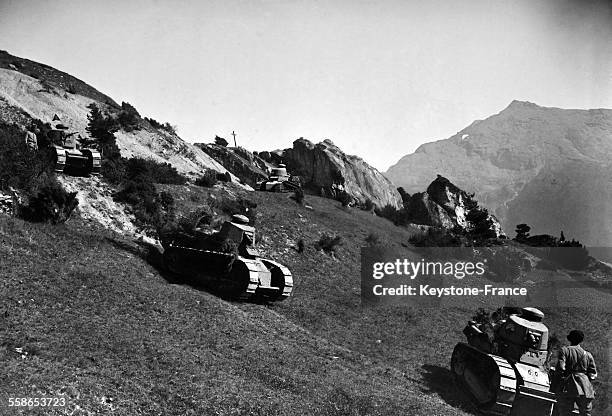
pixel 214 262
pixel 505 374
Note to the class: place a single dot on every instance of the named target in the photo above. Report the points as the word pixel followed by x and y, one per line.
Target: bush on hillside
pixel 389 212
pixel 224 177
pixel 208 179
pixel 159 172
pixel 368 205
pixel 221 141
pixel 128 117
pixel 329 243
pixel 345 199
pixel 48 202
pixel 435 237
pixel 298 195
pixel 161 126
pixel 152 210
pixel 372 239
pixel 300 245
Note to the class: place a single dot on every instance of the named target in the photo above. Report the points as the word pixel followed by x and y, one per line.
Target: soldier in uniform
pixel 577 368
pixel 31 140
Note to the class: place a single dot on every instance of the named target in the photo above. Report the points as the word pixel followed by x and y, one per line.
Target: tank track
pixel 496 386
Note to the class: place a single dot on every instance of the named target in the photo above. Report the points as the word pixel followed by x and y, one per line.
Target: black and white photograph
pixel 306 207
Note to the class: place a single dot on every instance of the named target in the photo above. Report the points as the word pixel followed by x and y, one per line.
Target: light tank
pixel 505 374
pixel 70 156
pixel 214 261
pixel 280 181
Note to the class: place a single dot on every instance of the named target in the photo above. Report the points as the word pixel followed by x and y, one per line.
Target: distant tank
pixel 505 374
pixel 213 261
pixel 280 181
pixel 69 156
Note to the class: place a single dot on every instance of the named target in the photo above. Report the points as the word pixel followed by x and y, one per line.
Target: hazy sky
pixel 377 77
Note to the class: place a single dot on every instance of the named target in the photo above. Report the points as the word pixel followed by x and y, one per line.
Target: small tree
pixel 368 205
pixel 102 129
pixel 328 243
pixel 345 199
pixel 298 195
pixel 221 141
pixel 522 232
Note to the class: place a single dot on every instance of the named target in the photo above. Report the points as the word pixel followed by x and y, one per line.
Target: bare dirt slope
pixel 43 100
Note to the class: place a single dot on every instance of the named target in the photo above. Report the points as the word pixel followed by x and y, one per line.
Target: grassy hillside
pixel 84 315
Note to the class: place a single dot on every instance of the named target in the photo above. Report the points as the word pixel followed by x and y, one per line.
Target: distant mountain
pixel 548 167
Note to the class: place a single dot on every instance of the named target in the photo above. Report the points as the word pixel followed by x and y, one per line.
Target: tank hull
pixel 230 275
pixel 78 162
pixel 500 387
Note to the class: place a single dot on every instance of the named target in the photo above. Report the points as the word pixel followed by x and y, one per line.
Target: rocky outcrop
pixel 249 168
pixel 548 167
pixel 421 209
pixel 447 206
pixel 324 167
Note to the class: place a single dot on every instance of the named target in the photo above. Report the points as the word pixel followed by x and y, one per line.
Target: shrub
pixel 389 212
pixel 159 172
pixel 240 206
pixel 372 239
pixel 328 243
pixel 202 216
pixel 368 205
pixel 49 202
pixel 128 117
pixel 435 237
pixel 152 210
pixel 522 232
pixel 224 177
pixel 345 199
pixel 221 141
pixel 161 126
pixel 208 179
pixel 298 195
pixel 114 170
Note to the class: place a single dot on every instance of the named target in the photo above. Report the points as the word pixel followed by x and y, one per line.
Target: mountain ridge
pixel 500 155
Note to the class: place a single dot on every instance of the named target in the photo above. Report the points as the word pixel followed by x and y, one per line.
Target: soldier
pixel 577 368
pixel 31 140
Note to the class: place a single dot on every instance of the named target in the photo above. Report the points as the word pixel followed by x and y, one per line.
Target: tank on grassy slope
pixel 228 263
pixel 280 181
pixel 69 156
pixel 505 374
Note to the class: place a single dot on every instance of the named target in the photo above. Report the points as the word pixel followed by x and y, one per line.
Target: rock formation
pixel 445 205
pixel 324 167
pixel 249 168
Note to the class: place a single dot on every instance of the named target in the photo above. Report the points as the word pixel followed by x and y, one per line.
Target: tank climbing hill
pixel 505 374
pixel 226 262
